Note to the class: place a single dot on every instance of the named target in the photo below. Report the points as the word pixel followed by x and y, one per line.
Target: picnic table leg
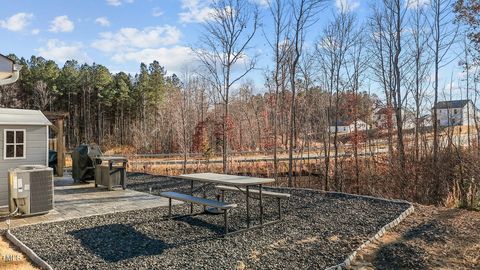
pixel 191 193
pixel 279 208
pixel 225 216
pixel 109 186
pixel 204 196
pixel 261 203
pixel 248 206
pixel 169 208
pixel 124 176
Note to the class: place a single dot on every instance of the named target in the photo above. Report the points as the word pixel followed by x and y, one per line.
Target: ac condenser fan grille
pixel 41 191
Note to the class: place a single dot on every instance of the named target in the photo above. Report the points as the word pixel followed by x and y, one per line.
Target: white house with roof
pixel 386 116
pixel 348 126
pixel 456 113
pixel 9 71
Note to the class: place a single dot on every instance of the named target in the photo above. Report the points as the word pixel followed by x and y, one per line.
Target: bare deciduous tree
pixel 42 95
pixel 304 14
pixel 444 35
pixel 225 43
pixel 280 49
pixel 421 36
pixel 332 49
pixel 388 29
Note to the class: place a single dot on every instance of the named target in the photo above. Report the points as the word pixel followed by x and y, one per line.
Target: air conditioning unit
pixel 30 188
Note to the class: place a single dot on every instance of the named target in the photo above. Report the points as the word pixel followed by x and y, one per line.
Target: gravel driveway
pixel 318 230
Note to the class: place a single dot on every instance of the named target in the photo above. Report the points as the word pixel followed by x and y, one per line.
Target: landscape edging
pixel 27 251
pixel 348 261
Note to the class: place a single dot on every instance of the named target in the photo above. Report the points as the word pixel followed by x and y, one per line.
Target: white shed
pixel 24 141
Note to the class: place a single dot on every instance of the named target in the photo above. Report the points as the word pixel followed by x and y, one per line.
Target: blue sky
pixel 121 34
pixel 117 33
pixel 98 31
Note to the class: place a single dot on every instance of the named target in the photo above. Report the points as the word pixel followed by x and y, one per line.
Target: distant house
pixel 456 113
pixel 9 71
pixel 385 116
pixel 348 126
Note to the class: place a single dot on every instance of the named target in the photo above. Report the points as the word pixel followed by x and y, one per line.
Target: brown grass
pixel 11 258
pixel 457 246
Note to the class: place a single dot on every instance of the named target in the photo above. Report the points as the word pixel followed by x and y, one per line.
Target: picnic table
pixel 241 183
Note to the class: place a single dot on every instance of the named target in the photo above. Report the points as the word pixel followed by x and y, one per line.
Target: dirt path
pixel 431 238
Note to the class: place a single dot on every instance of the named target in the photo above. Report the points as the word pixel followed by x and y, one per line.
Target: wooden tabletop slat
pixel 225 179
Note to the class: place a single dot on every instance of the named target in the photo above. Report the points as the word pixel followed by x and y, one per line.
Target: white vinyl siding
pixel 36 150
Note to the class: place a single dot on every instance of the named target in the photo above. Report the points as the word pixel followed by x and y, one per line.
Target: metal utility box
pixel 110 172
pixel 30 188
pixel 104 178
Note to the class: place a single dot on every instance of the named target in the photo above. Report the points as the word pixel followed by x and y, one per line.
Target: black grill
pixel 83 158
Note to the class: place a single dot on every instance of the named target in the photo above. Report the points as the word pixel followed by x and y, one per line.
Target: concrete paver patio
pixel 76 200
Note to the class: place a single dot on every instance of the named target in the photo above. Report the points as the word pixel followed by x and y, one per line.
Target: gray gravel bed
pixel 318 230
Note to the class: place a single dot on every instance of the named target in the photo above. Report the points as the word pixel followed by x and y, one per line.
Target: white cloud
pixel 451 86
pixel 174 59
pixel 35 31
pixel 146 45
pixel 61 24
pixel 114 2
pixel 417 3
pixel 347 5
pixel 132 38
pixel 261 3
pixel 17 22
pixel 117 3
pixel 103 21
pixel 157 12
pixel 60 51
pixel 195 11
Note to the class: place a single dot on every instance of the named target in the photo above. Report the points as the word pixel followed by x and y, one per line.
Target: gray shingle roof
pixel 22 117
pixel 451 104
pixel 343 122
pixel 339 123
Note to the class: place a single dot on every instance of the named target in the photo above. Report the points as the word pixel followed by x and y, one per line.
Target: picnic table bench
pixel 226 182
pixel 276 195
pixel 197 200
